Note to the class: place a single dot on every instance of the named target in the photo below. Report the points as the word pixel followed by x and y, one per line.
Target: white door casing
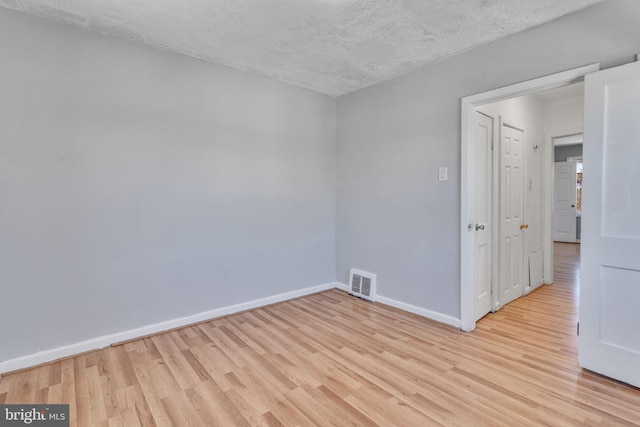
pixel 482 226
pixel 511 242
pixel 564 210
pixel 609 342
pixel 468 106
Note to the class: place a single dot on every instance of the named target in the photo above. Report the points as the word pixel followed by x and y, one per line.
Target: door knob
pixel 524 226
pixel 479 227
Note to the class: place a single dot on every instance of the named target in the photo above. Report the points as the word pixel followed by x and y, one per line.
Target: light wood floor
pixel 330 359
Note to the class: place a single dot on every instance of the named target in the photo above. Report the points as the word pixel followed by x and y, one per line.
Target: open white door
pixel 609 341
pixel 483 139
pixel 564 210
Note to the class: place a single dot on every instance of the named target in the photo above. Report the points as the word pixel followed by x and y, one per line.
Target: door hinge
pixel 578 329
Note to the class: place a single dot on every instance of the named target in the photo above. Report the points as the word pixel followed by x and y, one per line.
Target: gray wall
pixel 138 186
pixel 561 152
pixel 394 217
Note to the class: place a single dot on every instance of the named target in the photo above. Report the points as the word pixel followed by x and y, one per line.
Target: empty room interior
pixel 331 212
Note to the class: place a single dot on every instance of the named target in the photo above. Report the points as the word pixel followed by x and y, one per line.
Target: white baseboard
pixel 429 314
pixel 108 340
pixel 46 356
pixel 342 287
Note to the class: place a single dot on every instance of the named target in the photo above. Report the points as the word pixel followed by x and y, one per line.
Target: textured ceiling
pixel 330 46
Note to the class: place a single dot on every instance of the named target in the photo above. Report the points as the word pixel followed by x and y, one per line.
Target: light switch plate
pixel 442 174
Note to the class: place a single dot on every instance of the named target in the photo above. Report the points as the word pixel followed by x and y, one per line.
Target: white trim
pixel 111 339
pixel 575 139
pixel 429 314
pixel 466 162
pixel 563 78
pixel 342 287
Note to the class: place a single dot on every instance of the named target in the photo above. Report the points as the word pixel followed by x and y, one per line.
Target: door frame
pixel 572 238
pixel 468 105
pixel 548 196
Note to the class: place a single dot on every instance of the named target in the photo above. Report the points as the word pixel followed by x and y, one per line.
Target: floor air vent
pixel 362 284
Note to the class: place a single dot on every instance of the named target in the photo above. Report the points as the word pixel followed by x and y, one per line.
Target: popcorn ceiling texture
pixel 330 46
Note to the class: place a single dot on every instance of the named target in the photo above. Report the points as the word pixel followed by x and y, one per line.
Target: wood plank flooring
pixel 330 359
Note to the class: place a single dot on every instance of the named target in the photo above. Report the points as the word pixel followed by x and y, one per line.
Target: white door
pixel 565 191
pixel 609 341
pixel 482 145
pixel 511 247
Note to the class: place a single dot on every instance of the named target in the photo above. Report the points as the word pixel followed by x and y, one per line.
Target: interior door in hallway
pixel 482 201
pixel 564 210
pixel 511 246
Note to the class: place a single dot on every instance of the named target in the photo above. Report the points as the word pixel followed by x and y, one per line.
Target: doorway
pixel 567 186
pixel 468 258
pixel 499 151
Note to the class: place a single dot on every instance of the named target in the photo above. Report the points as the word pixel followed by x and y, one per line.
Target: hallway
pixel 540 332
pixel 553 308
